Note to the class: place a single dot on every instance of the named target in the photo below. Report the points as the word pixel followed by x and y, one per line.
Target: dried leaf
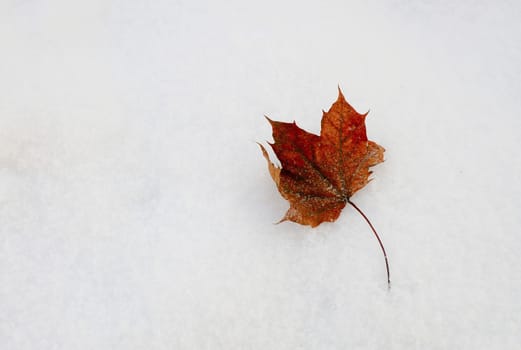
pixel 319 174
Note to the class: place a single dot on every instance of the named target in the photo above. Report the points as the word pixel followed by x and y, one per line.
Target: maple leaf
pixel 319 174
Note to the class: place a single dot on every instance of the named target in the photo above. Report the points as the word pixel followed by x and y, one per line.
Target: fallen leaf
pixel 319 174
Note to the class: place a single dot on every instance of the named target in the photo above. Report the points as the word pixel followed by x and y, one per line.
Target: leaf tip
pixel 264 152
pixel 274 170
pixel 340 94
pixel 280 221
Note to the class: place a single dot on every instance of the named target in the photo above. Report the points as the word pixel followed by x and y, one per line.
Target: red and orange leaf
pixel 319 174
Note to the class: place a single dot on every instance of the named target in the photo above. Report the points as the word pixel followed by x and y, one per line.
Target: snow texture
pixel 136 210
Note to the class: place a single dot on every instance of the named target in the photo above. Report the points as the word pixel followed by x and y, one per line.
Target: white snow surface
pixel 137 212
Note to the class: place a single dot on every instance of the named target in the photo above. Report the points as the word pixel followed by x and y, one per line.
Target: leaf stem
pixel 379 241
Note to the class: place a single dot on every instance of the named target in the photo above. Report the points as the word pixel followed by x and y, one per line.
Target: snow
pixel 136 210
